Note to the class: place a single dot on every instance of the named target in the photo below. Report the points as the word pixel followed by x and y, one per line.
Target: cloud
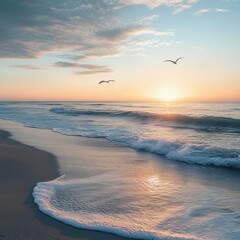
pixel 202 11
pixel 77 28
pixel 66 64
pixel 26 67
pixel 34 28
pixel 169 33
pixel 74 57
pixel 206 10
pixel 149 18
pixel 221 10
pixel 90 68
pixel 93 72
pixel 179 5
pixel 123 32
pixel 77 65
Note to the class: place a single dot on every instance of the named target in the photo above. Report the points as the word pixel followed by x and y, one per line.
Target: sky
pixel 61 49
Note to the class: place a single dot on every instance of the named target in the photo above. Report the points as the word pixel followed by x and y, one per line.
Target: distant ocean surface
pixel 202 133
pixel 198 134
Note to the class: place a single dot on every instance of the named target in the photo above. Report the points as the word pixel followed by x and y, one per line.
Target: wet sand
pixel 21 167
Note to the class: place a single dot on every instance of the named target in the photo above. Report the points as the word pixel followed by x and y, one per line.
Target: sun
pixel 167 94
pixel 168 97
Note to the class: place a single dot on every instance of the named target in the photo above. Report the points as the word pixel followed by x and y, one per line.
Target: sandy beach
pixel 21 167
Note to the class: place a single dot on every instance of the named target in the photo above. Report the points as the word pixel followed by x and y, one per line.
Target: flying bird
pixel 106 81
pixel 174 62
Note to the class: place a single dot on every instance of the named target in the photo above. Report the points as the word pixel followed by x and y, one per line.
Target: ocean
pixel 173 171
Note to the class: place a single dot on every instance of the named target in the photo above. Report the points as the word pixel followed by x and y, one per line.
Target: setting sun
pixel 167 94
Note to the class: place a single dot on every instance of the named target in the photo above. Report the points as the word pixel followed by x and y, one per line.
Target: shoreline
pixel 81 156
pixel 21 168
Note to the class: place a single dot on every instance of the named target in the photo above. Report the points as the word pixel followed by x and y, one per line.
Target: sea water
pixel 147 192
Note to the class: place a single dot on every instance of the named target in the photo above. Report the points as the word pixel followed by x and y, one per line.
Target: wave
pixel 45 196
pixel 75 112
pixel 172 150
pixel 51 104
pixel 189 153
pixel 207 123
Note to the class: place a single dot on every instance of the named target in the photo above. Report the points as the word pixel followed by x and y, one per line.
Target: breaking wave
pixel 208 123
pixel 196 154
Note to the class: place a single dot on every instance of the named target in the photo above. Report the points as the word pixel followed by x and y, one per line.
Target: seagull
pixel 174 62
pixel 108 81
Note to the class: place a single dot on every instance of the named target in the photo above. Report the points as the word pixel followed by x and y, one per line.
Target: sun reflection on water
pixel 153 183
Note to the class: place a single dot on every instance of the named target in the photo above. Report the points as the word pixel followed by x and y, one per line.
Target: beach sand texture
pixel 21 167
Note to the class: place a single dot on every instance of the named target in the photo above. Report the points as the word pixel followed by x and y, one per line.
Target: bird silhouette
pixel 174 62
pixel 106 81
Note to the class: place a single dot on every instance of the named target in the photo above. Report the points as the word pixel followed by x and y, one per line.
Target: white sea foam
pixel 121 224
pixel 172 150
pixel 197 154
pixel 96 208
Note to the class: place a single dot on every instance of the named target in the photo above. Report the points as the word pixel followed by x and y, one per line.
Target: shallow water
pixel 137 193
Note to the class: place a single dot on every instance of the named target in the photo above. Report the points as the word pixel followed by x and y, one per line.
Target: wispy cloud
pixel 93 72
pixel 181 8
pixel 167 33
pixel 90 68
pixel 157 3
pixel 202 11
pixel 122 33
pixel 26 67
pixel 148 18
pixel 207 10
pixel 221 10
pixel 177 5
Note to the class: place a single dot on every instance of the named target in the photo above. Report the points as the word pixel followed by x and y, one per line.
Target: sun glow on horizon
pixel 168 94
